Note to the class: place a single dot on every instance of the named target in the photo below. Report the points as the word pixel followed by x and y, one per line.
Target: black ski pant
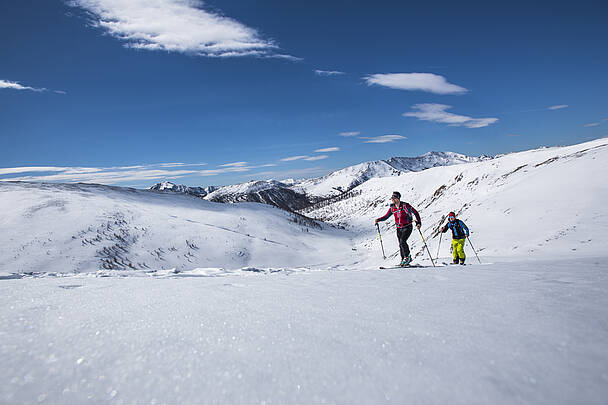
pixel 403 234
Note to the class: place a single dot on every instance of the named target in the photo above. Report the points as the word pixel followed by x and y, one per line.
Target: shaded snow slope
pixel 518 333
pixel 196 191
pixel 269 192
pixel 550 201
pixel 75 228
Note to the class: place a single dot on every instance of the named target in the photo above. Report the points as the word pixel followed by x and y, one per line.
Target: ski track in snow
pixel 500 333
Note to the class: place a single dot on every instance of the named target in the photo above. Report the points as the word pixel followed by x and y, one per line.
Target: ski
pixel 412 266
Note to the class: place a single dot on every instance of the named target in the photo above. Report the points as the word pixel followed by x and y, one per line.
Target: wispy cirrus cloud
pixel 182 26
pixel 108 176
pixel 349 133
pixel 296 173
pixel 318 157
pixel 292 158
pixel 102 175
pixel 7 84
pixel 234 164
pixel 122 174
pixel 557 107
pixel 383 138
pixel 438 113
pixel 328 72
pixel 592 124
pixel 324 150
pixel 428 82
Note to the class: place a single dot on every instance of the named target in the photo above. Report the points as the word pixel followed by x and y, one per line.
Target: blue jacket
pixel 459 229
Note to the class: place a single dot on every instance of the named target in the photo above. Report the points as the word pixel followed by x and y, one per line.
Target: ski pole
pixel 473 249
pixel 383 255
pixel 427 248
pixel 439 246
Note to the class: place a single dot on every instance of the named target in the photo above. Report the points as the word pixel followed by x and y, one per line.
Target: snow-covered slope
pixel 79 227
pixel 346 179
pixel 545 202
pixel 431 159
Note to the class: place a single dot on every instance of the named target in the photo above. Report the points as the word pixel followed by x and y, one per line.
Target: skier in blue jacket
pixel 459 233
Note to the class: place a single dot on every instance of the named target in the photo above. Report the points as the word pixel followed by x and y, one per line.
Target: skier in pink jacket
pixel 403 219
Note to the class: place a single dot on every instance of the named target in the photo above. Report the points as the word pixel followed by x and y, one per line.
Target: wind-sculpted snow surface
pixel 79 228
pixel 549 202
pixel 518 333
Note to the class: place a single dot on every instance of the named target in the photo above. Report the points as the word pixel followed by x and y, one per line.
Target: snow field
pixel 516 333
pixel 79 228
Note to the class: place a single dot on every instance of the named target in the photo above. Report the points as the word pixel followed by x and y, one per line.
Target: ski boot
pixel 455 261
pixel 406 262
pixel 462 262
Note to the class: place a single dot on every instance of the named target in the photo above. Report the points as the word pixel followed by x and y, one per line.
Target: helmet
pixel 396 194
pixel 451 215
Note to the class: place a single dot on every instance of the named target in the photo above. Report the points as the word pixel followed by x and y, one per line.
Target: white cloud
pixel 31 169
pixel 437 113
pixel 592 124
pixel 235 164
pixel 179 164
pixel 176 26
pixel 383 138
pixel 328 72
pixel 297 173
pixel 215 172
pixel 324 150
pixel 319 157
pixel 428 82
pixel 350 133
pixel 7 84
pixel 557 107
pixel 105 177
pixel 291 158
pixel 120 174
pixel 102 175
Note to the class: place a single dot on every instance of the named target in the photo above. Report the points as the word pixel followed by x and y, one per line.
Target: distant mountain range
pixel 293 195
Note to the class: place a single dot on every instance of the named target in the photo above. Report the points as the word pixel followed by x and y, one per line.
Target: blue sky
pixel 213 93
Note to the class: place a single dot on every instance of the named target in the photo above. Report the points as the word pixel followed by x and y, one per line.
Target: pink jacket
pixel 403 214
